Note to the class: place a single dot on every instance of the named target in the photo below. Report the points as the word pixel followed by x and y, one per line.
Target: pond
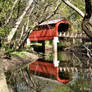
pixel 70 74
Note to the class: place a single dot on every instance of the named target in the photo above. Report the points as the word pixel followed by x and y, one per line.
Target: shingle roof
pixel 50 22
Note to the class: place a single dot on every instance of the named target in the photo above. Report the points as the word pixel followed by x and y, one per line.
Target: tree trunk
pixel 87 20
pixel 13 31
pixel 3 84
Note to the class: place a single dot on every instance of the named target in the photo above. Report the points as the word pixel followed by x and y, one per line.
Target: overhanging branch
pixel 74 7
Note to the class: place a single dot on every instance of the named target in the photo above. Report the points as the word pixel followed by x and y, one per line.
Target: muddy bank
pixel 15 61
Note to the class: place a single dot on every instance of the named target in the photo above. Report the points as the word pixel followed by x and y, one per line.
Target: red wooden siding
pixel 47 32
pixel 43 35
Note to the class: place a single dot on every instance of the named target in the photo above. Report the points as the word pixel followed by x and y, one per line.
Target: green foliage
pixel 9 51
pixel 42 9
pixel 5 7
pixel 17 53
pixel 64 56
pixel 2 31
pixel 64 88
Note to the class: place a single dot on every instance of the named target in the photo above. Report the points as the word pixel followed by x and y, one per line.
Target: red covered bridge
pixel 49 29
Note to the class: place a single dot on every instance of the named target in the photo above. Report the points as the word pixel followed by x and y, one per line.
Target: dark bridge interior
pixel 64 75
pixel 63 27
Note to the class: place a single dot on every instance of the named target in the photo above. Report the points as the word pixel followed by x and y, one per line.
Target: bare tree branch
pixel 26 29
pixel 54 12
pixel 13 31
pixel 87 20
pixel 7 21
pixel 73 7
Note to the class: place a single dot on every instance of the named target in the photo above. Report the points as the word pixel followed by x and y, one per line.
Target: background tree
pixel 41 10
pixel 87 20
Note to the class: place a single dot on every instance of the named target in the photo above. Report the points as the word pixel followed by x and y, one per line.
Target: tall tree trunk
pixel 13 31
pixel 26 29
pixel 3 84
pixel 87 20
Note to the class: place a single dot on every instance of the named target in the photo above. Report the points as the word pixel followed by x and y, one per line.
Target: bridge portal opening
pixel 64 75
pixel 63 27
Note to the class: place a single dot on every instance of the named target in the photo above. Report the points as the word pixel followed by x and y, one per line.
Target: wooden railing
pixel 75 69
pixel 73 35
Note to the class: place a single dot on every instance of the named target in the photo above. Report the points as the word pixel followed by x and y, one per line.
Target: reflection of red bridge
pixel 48 68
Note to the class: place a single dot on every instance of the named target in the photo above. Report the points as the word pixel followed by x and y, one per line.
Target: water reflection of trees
pixel 75 60
pixel 82 83
pixel 78 64
pixel 24 81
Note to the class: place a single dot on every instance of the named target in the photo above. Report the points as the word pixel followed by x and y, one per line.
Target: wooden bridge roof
pixel 51 22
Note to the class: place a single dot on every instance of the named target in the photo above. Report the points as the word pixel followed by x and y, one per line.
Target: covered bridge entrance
pixel 49 29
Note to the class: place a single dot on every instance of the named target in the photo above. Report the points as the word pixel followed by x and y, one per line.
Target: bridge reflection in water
pixel 66 71
pixel 51 68
pixel 47 69
pixel 45 76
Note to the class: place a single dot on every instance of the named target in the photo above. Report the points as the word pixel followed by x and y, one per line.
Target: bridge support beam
pixel 55 56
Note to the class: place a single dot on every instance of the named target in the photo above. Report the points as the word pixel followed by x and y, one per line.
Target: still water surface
pixel 70 75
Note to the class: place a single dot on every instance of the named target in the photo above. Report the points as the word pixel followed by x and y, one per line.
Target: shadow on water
pixel 70 75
